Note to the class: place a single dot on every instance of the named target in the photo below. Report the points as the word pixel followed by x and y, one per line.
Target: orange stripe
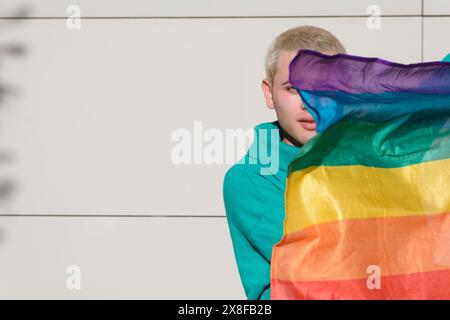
pixel 418 286
pixel 343 250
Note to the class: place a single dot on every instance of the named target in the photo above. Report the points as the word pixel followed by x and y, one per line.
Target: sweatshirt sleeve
pixel 253 226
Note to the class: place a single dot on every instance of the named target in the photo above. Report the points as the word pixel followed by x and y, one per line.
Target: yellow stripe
pixel 328 193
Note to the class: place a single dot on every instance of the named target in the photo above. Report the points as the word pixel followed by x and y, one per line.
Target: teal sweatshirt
pixel 253 194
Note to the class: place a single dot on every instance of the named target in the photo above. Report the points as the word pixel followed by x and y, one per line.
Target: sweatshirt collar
pixel 267 139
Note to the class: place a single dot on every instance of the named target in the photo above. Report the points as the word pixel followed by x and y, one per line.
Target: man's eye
pixel 291 88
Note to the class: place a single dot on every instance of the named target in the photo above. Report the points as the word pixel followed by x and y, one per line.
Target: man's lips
pixel 308 124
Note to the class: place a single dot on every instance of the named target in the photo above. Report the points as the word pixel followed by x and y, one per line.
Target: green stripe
pixel 392 144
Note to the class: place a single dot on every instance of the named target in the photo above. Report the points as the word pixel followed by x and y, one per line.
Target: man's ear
pixel 267 93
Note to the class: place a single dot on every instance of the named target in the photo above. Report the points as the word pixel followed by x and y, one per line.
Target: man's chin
pixel 299 136
pixel 305 136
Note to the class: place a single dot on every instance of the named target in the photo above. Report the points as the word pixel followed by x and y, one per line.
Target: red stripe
pixel 418 286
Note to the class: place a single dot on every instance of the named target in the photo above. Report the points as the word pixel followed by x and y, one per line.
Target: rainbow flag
pixel 368 198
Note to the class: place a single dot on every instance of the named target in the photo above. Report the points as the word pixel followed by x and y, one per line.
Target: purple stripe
pixel 311 70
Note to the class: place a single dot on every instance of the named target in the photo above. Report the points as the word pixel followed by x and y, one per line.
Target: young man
pixel 254 194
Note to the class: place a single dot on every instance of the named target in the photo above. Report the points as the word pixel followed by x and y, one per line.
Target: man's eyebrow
pixel 284 83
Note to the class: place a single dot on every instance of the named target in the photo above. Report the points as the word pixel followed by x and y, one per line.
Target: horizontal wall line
pixel 231 17
pixel 113 215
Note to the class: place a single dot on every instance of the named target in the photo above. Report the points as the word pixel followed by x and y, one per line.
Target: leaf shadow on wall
pixel 9 51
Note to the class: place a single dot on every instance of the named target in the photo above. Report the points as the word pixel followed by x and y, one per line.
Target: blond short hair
pixel 303 37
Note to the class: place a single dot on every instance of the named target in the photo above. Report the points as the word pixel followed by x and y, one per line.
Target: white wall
pixel 88 128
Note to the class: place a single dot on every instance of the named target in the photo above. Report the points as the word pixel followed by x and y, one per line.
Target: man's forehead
pixel 284 59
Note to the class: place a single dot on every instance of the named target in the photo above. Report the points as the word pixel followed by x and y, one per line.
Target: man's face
pixel 297 123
